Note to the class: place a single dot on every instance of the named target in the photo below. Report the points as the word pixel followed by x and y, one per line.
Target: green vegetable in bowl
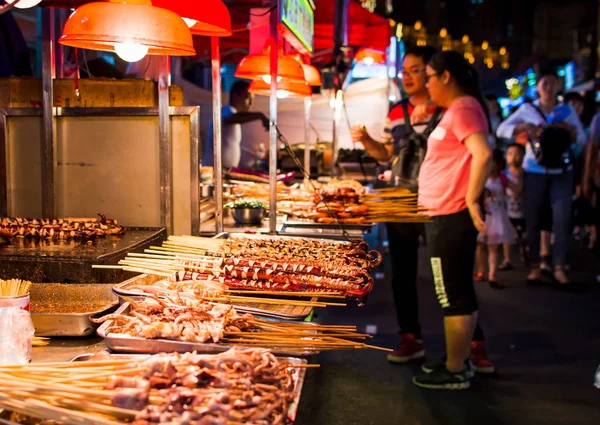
pixel 246 203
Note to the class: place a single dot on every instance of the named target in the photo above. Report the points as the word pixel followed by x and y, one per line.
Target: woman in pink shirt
pixel 451 180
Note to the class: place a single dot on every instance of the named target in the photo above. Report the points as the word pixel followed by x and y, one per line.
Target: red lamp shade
pixel 204 17
pixel 312 75
pixel 285 89
pixel 369 56
pixel 254 67
pixel 109 25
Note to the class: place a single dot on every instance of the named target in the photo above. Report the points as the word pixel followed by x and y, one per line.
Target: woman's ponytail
pixel 466 77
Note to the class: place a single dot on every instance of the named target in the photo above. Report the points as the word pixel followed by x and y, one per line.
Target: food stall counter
pixel 65 349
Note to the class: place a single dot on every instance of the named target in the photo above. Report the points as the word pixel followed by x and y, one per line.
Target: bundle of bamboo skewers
pixel 302 337
pixel 14 287
pixel 393 205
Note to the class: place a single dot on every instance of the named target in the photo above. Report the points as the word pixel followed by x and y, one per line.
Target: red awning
pixel 366 29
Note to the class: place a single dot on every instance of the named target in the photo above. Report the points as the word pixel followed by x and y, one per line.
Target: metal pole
pixel 195 171
pixel 165 145
pixel 334 142
pixel 273 114
pixel 218 161
pixel 47 141
pixel 307 107
pixel 340 38
pixel 61 18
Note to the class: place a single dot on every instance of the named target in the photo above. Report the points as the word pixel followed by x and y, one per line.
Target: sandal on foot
pixel 505 266
pixel 479 276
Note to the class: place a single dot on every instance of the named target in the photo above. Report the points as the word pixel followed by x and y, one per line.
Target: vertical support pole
pixel 334 141
pixel 195 171
pixel 61 19
pixel 307 107
pixel 340 38
pixel 47 141
pixel 3 168
pixel 273 114
pixel 218 161
pixel 165 144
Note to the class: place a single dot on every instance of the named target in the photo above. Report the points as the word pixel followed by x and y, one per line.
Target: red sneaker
pixel 410 348
pixel 479 358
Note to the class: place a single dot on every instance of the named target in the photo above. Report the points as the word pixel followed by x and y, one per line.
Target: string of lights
pixel 490 57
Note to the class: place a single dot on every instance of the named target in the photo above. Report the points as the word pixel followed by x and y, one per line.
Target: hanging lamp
pixel 285 89
pixel 204 17
pixel 369 56
pixel 24 4
pixel 131 28
pixel 254 67
pixel 312 75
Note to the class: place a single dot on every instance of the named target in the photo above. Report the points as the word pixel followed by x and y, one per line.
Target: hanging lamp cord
pixel 8 6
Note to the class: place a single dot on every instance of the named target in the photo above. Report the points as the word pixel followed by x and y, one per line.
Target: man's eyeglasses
pixel 429 76
pixel 412 74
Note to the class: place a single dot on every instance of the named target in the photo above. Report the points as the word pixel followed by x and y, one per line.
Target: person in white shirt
pixel 540 181
pixel 233 116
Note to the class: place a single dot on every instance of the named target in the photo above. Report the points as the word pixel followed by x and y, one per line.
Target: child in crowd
pixel 498 228
pixel 514 202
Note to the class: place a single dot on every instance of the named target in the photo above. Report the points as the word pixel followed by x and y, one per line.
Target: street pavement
pixel 545 343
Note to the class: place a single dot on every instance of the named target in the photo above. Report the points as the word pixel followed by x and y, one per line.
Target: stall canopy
pixel 366 29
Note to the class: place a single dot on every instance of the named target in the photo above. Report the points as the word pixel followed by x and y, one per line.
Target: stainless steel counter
pixel 64 349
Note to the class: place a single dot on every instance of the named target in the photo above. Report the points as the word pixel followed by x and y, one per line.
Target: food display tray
pixel 69 261
pixel 309 224
pixel 87 299
pixel 127 344
pixel 299 374
pixel 275 311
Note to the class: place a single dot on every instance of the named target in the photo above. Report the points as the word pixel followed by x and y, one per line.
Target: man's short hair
pixel 573 97
pixel 518 146
pixel 423 52
pixel 239 88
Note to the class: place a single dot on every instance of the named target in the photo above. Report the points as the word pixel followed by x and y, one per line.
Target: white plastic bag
pixel 16 335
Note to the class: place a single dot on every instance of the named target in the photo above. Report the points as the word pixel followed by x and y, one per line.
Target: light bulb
pixel 131 52
pixel 25 4
pixel 267 79
pixel 282 94
pixel 190 22
pixel 368 61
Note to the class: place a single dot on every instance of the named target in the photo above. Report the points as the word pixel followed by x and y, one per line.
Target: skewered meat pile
pixel 303 251
pixel 247 386
pixel 339 201
pixel 240 386
pixel 275 264
pixel 180 318
pixel 58 229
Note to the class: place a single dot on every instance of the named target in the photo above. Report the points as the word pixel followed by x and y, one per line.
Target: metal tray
pixel 299 374
pixel 283 312
pixel 87 299
pixel 309 224
pixel 128 344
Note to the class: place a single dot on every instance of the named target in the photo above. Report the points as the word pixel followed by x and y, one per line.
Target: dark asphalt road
pixel 546 345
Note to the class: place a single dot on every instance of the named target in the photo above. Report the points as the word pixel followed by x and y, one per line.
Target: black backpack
pixel 552 148
pixel 411 152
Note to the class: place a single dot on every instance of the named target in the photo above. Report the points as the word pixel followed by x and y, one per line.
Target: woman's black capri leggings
pixel 452 240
